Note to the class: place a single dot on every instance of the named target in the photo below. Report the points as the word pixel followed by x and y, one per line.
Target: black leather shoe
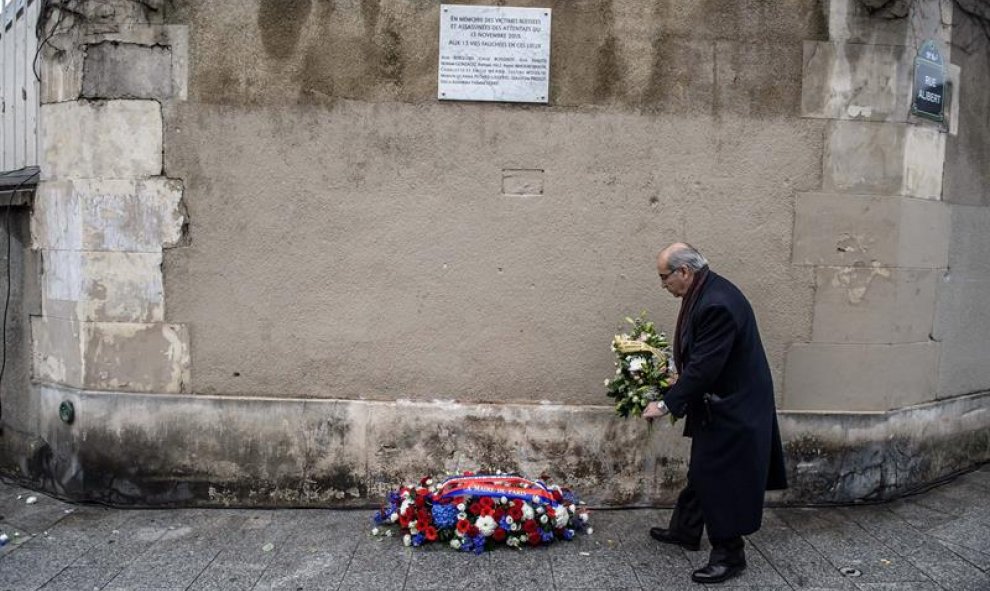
pixel 668 537
pixel 716 573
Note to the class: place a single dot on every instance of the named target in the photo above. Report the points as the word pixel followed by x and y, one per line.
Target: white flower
pixel 606 382
pixel 405 505
pixel 527 512
pixel 560 519
pixel 374 531
pixel 511 542
pixel 541 510
pixel 618 370
pixel 509 520
pixel 461 507
pixel 543 519
pixel 636 364
pixel 429 482
pixel 536 500
pixel 393 517
pixel 571 508
pixel 455 544
pixel 503 500
pixel 462 515
pixel 407 540
pixel 388 533
pixel 514 527
pixel 412 529
pixel 486 525
pixel 583 517
pixel 591 530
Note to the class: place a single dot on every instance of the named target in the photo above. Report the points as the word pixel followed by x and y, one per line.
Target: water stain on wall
pixel 281 23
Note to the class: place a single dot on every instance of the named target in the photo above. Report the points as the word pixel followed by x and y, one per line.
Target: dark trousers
pixel 689 521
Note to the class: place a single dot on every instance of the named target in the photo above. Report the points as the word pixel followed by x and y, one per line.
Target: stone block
pixel 962 322
pixel 841 230
pixel 173 37
pixel 859 377
pixel 61 71
pixel 884 159
pixel 137 357
pixel 969 249
pixel 924 160
pixel 107 139
pixel 855 81
pixel 114 70
pixel 103 286
pixel 873 305
pixel 119 215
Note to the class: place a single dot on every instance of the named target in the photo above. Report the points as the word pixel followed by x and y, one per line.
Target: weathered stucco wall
pixel 349 235
pixel 246 207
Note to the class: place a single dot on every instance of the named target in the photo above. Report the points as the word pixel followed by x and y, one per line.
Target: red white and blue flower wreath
pixel 474 512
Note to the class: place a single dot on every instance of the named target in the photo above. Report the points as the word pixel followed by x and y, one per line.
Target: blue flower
pixel 568 534
pixel 547 537
pixel 417 540
pixel 444 516
pixel 504 524
pixel 479 544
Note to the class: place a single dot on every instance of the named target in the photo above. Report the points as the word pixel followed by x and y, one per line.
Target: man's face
pixel 676 281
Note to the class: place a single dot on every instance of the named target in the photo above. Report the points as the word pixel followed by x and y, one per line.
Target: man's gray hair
pixel 686 256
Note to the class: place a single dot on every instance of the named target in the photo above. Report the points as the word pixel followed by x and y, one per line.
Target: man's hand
pixel 655 410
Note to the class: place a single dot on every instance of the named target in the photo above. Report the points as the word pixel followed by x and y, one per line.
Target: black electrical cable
pixel 6 301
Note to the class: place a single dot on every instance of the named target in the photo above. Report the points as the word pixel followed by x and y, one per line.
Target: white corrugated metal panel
pixel 18 85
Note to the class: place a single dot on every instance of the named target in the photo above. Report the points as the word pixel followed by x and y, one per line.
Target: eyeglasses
pixel 665 276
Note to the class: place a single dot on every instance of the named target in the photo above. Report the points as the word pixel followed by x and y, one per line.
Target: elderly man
pixel 725 391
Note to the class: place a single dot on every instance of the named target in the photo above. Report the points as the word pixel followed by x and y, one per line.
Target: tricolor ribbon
pixel 495 485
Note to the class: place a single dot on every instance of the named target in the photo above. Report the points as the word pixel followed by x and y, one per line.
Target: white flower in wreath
pixel 560 519
pixel 462 515
pixel 405 505
pixel 407 540
pixel 461 507
pixel 543 519
pixel 455 544
pixel 393 517
pixel 527 512
pixel 636 364
pixel 486 524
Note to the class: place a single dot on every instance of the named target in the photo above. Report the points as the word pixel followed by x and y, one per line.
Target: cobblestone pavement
pixel 938 540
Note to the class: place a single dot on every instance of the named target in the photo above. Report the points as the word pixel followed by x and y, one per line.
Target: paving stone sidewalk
pixel 938 540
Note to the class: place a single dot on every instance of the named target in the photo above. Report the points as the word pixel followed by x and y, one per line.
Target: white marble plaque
pixel 494 53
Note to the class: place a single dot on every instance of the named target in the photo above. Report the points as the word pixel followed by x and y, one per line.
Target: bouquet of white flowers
pixel 643 372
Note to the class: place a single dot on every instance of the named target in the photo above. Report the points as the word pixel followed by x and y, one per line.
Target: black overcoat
pixel 726 392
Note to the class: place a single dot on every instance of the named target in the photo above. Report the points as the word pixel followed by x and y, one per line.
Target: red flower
pixel 422 524
pixel 487 502
pixel 466 473
pixel 403 522
pixel 551 513
pixel 530 526
pixel 431 533
pixel 499 534
pixel 516 514
pixel 475 508
pixel 487 512
pixel 499 514
pixel 420 501
pixel 473 531
pixel 534 539
pixel 557 496
pixel 463 526
pixel 423 515
pixel 517 503
pixel 422 481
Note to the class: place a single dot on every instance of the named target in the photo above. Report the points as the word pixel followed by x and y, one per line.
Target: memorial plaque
pixel 494 53
pixel 929 83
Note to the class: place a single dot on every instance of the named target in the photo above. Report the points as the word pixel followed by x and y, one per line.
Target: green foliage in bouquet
pixel 642 372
